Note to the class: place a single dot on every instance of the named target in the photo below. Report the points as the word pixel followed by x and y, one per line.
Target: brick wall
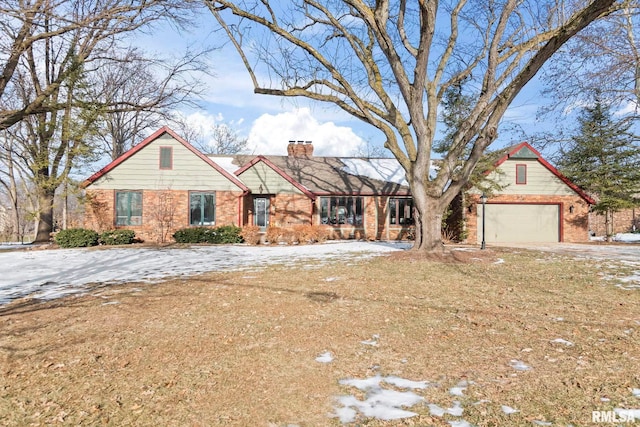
pixel 623 222
pixel 575 224
pixel 291 209
pixel 163 212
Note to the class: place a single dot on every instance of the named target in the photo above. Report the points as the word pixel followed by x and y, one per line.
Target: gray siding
pixel 142 171
pixel 272 183
pixel 540 180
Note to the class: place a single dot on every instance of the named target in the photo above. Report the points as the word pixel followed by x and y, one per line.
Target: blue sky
pixel 269 122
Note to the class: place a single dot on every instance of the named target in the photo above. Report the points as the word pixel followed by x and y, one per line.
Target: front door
pixel 261 212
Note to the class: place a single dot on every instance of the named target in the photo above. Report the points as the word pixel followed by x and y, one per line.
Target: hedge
pixel 76 238
pixel 217 235
pixel 118 237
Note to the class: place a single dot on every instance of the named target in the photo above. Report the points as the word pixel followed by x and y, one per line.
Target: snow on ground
pixel 50 274
pixel 627 237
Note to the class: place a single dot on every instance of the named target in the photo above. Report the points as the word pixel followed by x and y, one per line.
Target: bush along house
pixel 164 184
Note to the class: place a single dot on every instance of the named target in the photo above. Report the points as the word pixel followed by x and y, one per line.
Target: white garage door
pixel 520 223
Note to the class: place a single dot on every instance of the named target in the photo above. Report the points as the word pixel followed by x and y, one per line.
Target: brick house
pixel 536 203
pixel 623 221
pixel 164 184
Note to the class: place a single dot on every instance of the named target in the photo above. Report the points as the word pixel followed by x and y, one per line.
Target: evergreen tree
pixel 603 158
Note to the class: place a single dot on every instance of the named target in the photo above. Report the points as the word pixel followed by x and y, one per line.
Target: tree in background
pixel 139 93
pixel 603 158
pixel 88 27
pixel 50 96
pixel 390 64
pixel 605 56
pixel 220 138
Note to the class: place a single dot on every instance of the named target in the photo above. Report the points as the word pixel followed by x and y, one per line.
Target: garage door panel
pixel 519 223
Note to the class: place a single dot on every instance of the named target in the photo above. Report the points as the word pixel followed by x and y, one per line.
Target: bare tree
pixel 139 93
pixel 50 81
pixel 87 26
pixel 602 59
pixel 227 141
pixel 14 182
pixel 390 63
pixel 220 138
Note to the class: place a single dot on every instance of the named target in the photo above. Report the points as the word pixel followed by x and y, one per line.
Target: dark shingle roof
pixel 336 175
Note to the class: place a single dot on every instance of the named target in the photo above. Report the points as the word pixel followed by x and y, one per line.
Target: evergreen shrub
pixel 118 237
pixel 217 235
pixel 76 238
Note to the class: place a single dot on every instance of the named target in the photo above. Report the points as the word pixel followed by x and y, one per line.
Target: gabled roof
pixel 157 134
pixel 525 151
pixel 279 171
pixel 321 176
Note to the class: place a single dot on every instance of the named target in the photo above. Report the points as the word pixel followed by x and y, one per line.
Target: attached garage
pixel 508 223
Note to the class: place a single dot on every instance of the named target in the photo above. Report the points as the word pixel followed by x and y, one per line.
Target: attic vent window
pixel 521 174
pixel 166 157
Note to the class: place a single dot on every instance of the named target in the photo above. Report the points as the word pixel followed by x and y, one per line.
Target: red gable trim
pixel 279 171
pixel 157 134
pixel 547 165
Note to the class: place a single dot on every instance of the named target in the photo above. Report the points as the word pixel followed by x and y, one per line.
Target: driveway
pixel 626 252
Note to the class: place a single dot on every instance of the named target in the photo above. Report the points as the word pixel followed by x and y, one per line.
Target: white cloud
pixel 629 107
pixel 270 134
pixel 202 121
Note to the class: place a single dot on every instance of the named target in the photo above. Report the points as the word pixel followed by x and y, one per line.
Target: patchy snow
pixel 627 237
pixel 636 392
pixel 325 357
pixel 562 341
pixel 50 274
pixel 459 389
pixel 380 402
pixel 456 410
pixel 508 409
pixel 226 163
pixel 519 365
pixel 372 342
pixel 388 170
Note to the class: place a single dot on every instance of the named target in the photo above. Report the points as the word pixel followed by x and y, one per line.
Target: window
pixel 129 208
pixel 401 211
pixel 202 208
pixel 521 174
pixel 166 157
pixel 341 210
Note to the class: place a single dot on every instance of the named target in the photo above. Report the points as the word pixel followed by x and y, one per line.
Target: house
pixel 623 221
pixel 536 203
pixel 164 184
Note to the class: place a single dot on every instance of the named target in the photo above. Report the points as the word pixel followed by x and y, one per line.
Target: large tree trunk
pixel 45 215
pixel 430 205
pixel 428 224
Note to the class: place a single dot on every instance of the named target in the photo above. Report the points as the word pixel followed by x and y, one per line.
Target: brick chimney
pixel 300 149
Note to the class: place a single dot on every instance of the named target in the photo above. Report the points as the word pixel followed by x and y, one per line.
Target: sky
pixel 269 122
pixel 50 274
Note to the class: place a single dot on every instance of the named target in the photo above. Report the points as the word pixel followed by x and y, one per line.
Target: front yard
pixel 499 337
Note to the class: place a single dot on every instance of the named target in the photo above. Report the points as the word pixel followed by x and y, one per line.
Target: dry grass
pixel 240 348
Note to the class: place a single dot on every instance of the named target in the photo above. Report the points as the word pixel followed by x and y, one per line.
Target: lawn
pixel 492 338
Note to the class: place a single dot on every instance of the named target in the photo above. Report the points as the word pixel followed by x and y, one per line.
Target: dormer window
pixel 521 174
pixel 166 158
